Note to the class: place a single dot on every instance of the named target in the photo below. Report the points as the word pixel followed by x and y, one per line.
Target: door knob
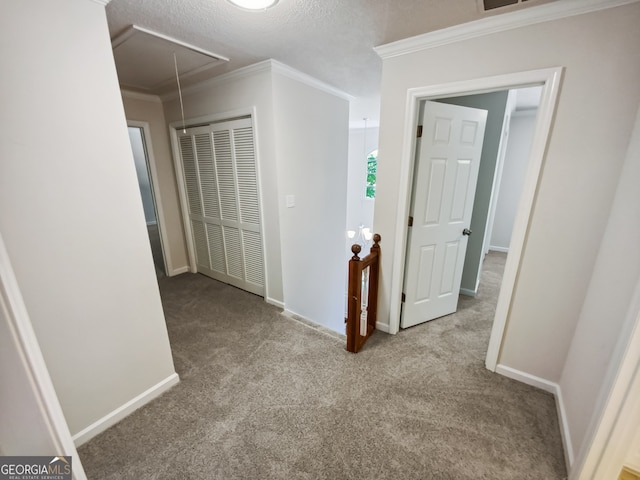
pixel 466 231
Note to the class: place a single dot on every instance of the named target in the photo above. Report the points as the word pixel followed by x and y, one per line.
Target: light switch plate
pixel 290 201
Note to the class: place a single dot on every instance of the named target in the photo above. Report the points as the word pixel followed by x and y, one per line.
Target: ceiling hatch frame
pixel 129 57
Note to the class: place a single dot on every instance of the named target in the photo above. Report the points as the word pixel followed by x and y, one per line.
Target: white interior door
pixel 221 183
pixel 444 186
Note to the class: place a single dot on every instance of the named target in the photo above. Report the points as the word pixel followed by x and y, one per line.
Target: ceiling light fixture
pixel 254 4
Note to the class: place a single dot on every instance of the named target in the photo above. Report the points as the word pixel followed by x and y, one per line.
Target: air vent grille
pixel 492 4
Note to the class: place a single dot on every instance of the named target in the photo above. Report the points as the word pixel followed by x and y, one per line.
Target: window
pixel 372 170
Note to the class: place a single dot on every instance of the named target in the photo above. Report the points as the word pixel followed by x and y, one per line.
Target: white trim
pixel 240 73
pixel 313 325
pixel 145 97
pixel 155 192
pixel 257 158
pixel 527 378
pixel 468 292
pixel 551 387
pixel 124 410
pixel 287 71
pixel 266 66
pixel 182 194
pixel 383 327
pixel 235 75
pixel 24 338
pixel 212 118
pixel 129 32
pixel 496 24
pixel 550 79
pixel 274 302
pixel 178 271
pixel 103 3
pixel 493 248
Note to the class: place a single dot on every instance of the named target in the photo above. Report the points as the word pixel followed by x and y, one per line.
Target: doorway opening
pixel 490 201
pixel 138 136
pixel 549 80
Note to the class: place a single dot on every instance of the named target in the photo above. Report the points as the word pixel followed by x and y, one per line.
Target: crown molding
pixel 495 24
pixel 102 2
pixel 147 97
pixel 287 71
pixel 266 66
pixel 244 72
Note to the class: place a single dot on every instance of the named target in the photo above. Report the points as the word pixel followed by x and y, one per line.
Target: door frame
pixel 549 79
pixel 155 193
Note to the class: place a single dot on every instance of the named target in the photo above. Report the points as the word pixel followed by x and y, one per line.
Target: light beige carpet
pixel 265 397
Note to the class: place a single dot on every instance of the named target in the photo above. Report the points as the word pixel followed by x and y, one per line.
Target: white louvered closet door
pixel 221 184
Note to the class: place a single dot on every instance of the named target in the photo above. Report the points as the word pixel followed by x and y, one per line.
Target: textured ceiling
pixel 331 40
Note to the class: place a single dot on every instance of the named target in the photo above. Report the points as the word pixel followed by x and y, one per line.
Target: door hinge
pixel 410 222
pixel 419 132
pixel 404 297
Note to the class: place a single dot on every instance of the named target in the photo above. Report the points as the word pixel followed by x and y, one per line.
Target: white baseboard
pixel 493 248
pixel 307 322
pixel 541 383
pixel 550 387
pixel 383 327
pixel 119 413
pixel 468 293
pixel 274 302
pixel 178 271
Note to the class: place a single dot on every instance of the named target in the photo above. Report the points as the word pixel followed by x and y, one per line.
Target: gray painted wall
pixel 495 103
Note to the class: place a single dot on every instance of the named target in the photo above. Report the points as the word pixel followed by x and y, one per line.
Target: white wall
pixel 145 108
pixel 312 147
pixel 615 276
pixel 514 170
pixel 596 109
pixel 70 210
pixel 245 90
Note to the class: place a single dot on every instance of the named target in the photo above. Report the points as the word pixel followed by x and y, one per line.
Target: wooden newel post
pixel 362 293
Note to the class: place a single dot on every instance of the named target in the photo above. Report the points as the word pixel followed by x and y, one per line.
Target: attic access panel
pixel 144 59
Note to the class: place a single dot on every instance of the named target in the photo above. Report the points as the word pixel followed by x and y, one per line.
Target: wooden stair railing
pixel 362 295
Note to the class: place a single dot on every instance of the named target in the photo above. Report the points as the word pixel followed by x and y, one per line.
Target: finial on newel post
pixel 355 249
pixel 376 241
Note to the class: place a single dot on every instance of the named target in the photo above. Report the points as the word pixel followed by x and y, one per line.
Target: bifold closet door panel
pixel 221 183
